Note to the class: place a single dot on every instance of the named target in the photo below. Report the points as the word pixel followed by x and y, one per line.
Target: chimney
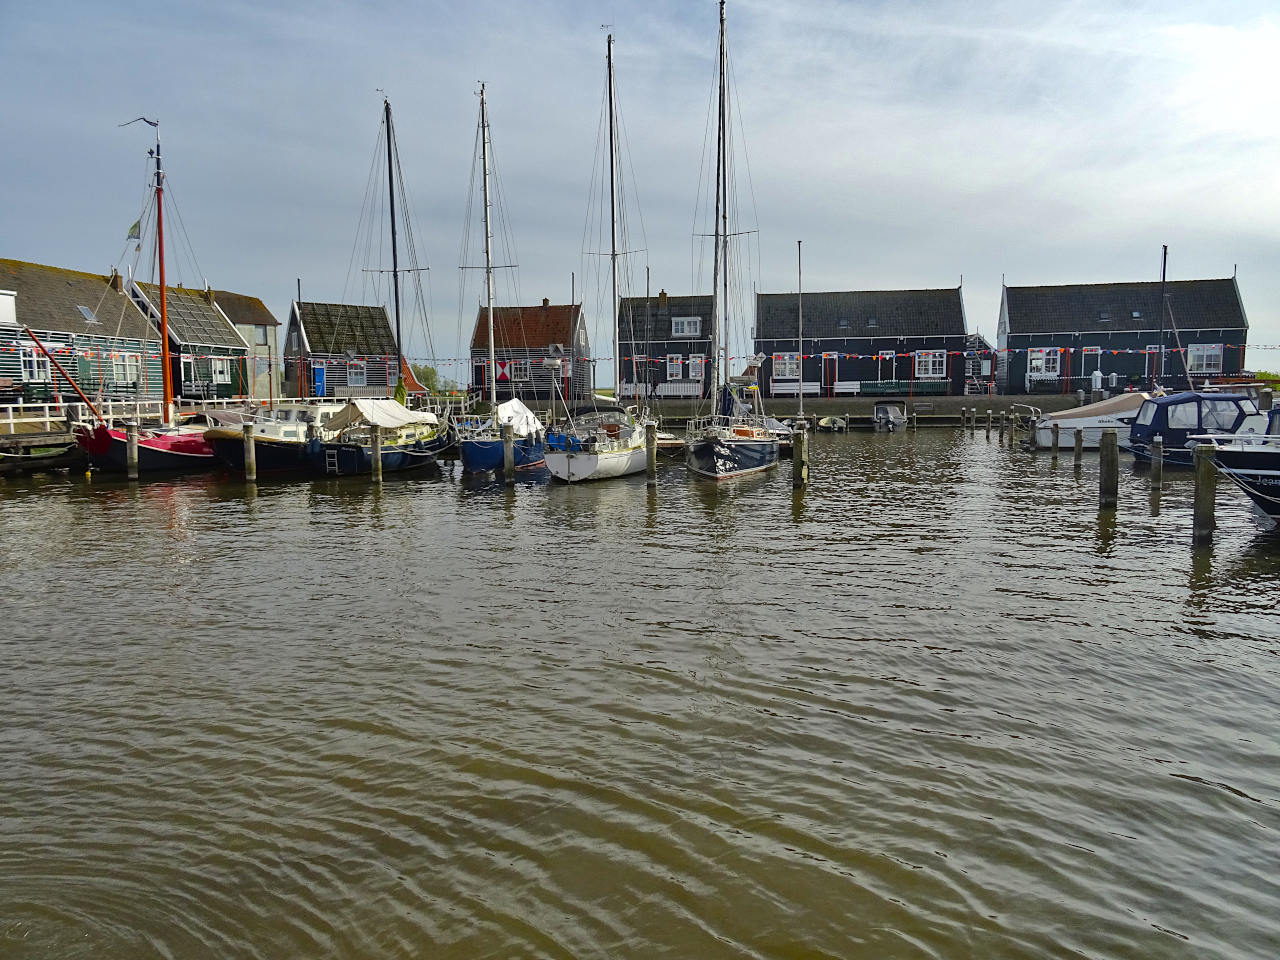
pixel 546 302
pixel 117 284
pixel 208 295
pixel 662 299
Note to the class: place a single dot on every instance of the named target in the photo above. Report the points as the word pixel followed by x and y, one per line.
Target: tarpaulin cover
pixel 382 413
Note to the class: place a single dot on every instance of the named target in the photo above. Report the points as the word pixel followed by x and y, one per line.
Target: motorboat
pixel 1182 420
pixel 888 417
pixel 1252 463
pixel 1114 413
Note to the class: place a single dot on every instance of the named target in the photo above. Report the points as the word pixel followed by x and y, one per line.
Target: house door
pixel 318 373
pixel 830 373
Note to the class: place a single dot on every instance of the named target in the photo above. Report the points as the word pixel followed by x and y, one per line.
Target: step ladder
pixel 331 461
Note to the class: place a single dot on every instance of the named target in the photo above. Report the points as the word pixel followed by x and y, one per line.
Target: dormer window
pixel 1104 316
pixel 843 323
pixel 872 322
pixel 686 326
pixel 1137 314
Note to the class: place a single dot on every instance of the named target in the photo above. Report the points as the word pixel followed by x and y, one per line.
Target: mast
pixel 800 328
pixel 716 306
pixel 1164 262
pixel 395 265
pixel 488 253
pixel 165 361
pixel 613 230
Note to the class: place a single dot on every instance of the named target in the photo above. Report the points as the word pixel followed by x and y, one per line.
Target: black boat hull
pixel 722 459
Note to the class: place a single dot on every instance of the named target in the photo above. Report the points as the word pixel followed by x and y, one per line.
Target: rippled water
pixel 933 707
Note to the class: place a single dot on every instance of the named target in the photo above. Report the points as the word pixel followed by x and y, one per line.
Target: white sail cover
pixel 382 413
pixel 523 421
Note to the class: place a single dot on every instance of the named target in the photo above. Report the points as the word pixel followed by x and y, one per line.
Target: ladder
pixel 331 461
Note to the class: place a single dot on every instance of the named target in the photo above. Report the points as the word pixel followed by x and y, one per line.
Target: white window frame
pixel 357 373
pixel 675 366
pixel 1204 358
pixel 126 368
pixel 393 373
pixel 786 366
pixel 518 372
pixel 697 366
pixel 35 366
pixel 686 327
pixel 220 369
pixel 931 364
pixel 1044 362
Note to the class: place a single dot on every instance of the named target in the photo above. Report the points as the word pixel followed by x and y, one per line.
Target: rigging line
pixel 365 214
pixel 464 250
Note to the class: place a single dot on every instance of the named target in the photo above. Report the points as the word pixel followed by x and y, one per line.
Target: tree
pixel 430 378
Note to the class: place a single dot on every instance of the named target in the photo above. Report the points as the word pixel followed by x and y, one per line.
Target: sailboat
pixel 168 447
pixel 481 448
pixel 601 439
pixel 735 440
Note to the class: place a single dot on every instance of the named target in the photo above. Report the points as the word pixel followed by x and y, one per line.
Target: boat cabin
pixel 1060 339
pixel 868 342
pixel 1178 417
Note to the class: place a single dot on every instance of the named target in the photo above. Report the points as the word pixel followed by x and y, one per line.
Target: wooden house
pixel 871 342
pixel 527 343
pixel 664 345
pixel 209 357
pixel 339 350
pixel 259 329
pixel 1052 339
pixel 90 326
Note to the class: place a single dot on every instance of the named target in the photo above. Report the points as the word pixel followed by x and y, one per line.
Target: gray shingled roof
pixel 244 310
pixel 341 327
pixel 862 313
pixel 1211 304
pixel 192 318
pixel 49 298
pixel 648 319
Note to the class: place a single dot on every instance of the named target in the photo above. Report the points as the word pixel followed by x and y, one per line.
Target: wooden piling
pixel 1056 431
pixel 1003 417
pixel 131 452
pixel 988 423
pixel 1265 399
pixel 377 452
pixel 1079 444
pixel 651 454
pixel 799 458
pixel 1202 521
pixel 1109 470
pixel 915 420
pixel 1157 462
pixel 508 434
pixel 250 454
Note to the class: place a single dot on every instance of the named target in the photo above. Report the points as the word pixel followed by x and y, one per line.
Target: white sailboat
pixel 601 439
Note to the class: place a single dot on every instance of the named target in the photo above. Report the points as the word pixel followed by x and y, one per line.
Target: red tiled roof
pixel 517 327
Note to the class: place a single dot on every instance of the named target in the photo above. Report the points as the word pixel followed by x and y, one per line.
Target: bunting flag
pixel 135 232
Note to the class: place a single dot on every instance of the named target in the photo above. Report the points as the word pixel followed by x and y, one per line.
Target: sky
pixel 908 144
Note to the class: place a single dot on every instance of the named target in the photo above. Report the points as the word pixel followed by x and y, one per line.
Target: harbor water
pixel 934 706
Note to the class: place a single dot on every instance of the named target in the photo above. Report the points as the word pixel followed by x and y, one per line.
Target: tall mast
pixel 724 191
pixel 613 229
pixel 167 379
pixel 716 305
pixel 1164 262
pixel 395 265
pixel 488 253
pixel 800 327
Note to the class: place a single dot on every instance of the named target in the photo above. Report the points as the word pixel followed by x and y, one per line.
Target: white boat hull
pixel 1092 427
pixel 576 467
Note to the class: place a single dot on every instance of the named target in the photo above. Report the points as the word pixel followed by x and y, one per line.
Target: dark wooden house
pixel 209 357
pixel 664 345
pixel 1052 339
pixel 871 342
pixel 89 325
pixel 339 350
pixel 527 343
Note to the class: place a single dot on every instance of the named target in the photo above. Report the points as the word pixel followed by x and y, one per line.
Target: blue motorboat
pixel 1180 417
pixel 480 446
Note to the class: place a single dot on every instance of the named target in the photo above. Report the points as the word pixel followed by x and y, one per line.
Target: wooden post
pixel 1056 431
pixel 1202 522
pixel 651 454
pixel 377 452
pixel 250 454
pixel 799 458
pixel 508 434
pixel 1003 416
pixel 131 453
pixel 915 420
pixel 1079 446
pixel 1109 470
pixel 988 423
pixel 1157 462
pixel 1265 398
